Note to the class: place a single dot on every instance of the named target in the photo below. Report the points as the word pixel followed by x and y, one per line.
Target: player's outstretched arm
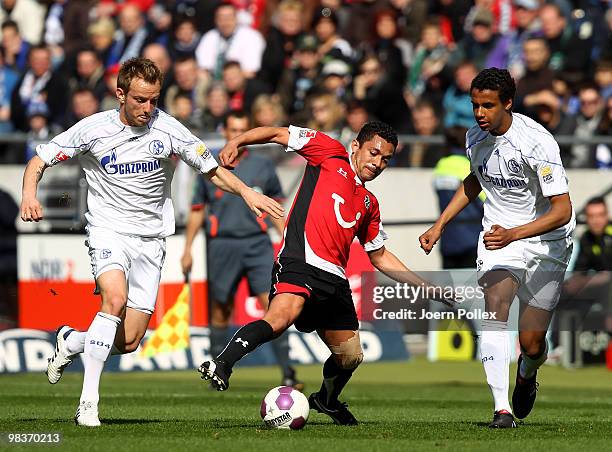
pixel 389 264
pixel 31 210
pixel 258 135
pixel 559 214
pixel 468 190
pixel 257 202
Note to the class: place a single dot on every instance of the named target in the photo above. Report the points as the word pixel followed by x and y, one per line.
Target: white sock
pixel 495 356
pixel 75 342
pixel 98 344
pixel 530 365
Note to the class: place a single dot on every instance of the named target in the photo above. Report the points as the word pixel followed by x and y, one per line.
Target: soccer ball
pixel 285 407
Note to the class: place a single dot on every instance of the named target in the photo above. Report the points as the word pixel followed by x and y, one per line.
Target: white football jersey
pixel 518 171
pixel 129 169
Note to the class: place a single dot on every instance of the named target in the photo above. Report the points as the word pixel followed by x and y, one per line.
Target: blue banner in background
pixel 24 350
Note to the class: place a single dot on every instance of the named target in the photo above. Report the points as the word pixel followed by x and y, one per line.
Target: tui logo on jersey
pixel 499 181
pixel 338 201
pixel 110 165
pixel 156 147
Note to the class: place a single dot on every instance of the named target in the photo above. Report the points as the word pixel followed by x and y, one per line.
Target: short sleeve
pixel 186 145
pixel 545 161
pixel 314 146
pixel 64 146
pixel 372 234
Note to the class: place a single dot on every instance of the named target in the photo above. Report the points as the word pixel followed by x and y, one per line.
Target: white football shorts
pixel 538 266
pixel 139 258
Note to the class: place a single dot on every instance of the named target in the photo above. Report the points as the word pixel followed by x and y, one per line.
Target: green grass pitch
pixel 406 406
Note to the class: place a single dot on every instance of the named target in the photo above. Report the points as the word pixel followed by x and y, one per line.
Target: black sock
pixel 280 347
pixel 218 339
pixel 246 339
pixel 334 380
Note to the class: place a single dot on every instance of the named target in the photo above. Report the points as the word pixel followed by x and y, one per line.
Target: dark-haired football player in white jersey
pixel 526 242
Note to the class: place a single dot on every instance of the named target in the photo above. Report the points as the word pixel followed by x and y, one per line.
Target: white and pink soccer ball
pixel 285 407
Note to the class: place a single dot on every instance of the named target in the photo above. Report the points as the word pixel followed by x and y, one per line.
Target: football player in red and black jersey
pixel 309 285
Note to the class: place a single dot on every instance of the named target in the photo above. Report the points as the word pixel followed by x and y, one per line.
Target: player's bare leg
pixel 131 331
pixel 280 346
pixel 99 342
pixel 346 356
pixel 499 288
pixel 282 313
pixel 533 324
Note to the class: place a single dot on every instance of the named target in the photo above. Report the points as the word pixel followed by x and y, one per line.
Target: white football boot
pixel 87 414
pixel 61 358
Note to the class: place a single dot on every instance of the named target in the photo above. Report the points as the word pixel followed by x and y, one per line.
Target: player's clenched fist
pixel 429 238
pixel 31 210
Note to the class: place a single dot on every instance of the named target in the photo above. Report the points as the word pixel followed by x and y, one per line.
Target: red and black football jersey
pixel 331 208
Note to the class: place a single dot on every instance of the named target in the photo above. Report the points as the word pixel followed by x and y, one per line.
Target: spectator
pixel 267 112
pixel 596 243
pixel 242 90
pixel 421 154
pixel 588 119
pixel 29 16
pixel 189 81
pixel 109 101
pixel 89 73
pixel 182 106
pixel 381 96
pixel 229 41
pixel 159 55
pixel 393 52
pixel 547 110
pixel 356 117
pixel 459 241
pixel 101 35
pixel 428 71
pixel 186 39
pixel 8 81
pixel 84 103
pixel 298 80
pixel 457 100
pixel 288 26
pixel 75 21
pixel 482 45
pixel 217 106
pixel 54 31
pixel 527 24
pixel 538 75
pixel 603 152
pixel 591 279
pixel 603 78
pixel 332 45
pixel 41 85
pixel 327 114
pixel 131 37
pixel 411 15
pixel 15 48
pixel 451 15
pixel 569 51
pixel 38 129
pixel 336 79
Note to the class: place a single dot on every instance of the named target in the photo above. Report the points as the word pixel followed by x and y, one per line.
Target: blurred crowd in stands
pixel 326 64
